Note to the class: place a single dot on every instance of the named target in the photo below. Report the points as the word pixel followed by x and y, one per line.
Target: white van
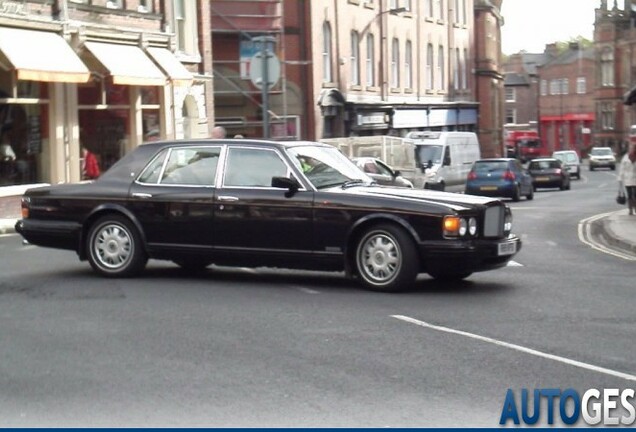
pixel 443 158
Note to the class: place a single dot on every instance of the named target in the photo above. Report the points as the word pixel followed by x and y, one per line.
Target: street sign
pixel 259 68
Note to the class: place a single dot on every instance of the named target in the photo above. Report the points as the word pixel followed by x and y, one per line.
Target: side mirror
pixel 286 183
pixel 397 173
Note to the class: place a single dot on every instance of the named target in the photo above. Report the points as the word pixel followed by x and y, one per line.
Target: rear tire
pixel 516 194
pixel 114 247
pixel 386 258
pixel 530 196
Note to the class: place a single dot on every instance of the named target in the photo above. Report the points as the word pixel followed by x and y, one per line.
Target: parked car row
pixel 506 177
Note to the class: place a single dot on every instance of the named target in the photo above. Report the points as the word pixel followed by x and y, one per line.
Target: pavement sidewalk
pixel 617 229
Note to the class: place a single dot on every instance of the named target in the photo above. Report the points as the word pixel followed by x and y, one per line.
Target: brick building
pixel 104 74
pixel 566 99
pixel 615 42
pixel 361 67
pixel 489 79
pixel 521 89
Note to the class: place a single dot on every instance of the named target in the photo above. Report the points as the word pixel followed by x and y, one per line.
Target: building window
pixel 370 60
pixel 440 68
pixel 565 86
pixel 510 94
pixel 114 4
pixel 185 16
pixel 355 58
pixel 607 116
pixel 408 65
pixel 326 53
pixel 511 116
pixel 440 9
pixel 464 14
pixel 428 8
pixel 395 63
pixel 407 5
pixel 457 14
pixel 607 68
pixel 393 4
pixel 429 67
pixel 145 6
pixel 465 70
pixel 456 69
pixel 580 85
pixel 544 87
pixel 555 87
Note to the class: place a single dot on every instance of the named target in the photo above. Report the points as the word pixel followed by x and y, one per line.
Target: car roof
pixel 545 159
pixel 495 160
pixel 564 151
pixel 231 142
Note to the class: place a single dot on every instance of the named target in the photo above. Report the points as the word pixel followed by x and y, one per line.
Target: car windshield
pixel 427 153
pixel 326 166
pixel 530 143
pixel 567 157
pixel 602 151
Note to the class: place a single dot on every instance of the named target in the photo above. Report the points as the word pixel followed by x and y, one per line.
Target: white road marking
pixel 552 243
pixel 585 236
pixel 520 348
pixel 512 263
pixel 8 235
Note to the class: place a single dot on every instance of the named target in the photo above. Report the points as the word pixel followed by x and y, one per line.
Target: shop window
pixel 23 135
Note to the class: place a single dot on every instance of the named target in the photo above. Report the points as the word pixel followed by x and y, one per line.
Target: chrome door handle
pixel 228 198
pixel 141 195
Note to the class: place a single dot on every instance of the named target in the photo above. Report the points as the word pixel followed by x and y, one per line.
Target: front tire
pixel 115 248
pixel 386 258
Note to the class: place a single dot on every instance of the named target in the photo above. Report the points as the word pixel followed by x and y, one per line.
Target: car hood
pixel 455 201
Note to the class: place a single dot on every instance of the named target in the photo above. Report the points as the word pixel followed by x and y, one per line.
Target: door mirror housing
pixel 286 183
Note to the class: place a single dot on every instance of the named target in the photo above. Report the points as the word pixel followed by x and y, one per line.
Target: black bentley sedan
pixel 254 203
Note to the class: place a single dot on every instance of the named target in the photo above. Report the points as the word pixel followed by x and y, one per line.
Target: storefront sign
pixel 13 8
pixel 410 119
pixel 371 119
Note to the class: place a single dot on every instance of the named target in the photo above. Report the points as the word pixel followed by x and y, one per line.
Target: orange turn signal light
pixel 451 225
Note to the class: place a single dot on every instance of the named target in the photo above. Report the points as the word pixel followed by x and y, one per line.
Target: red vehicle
pixel 524 145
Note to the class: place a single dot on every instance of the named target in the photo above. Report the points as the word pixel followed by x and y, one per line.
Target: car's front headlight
pixel 508 223
pixel 456 226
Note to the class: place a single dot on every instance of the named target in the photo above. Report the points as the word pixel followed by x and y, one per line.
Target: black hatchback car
pixel 260 203
pixel 549 173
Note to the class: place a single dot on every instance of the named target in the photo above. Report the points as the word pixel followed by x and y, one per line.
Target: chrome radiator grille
pixel 494 221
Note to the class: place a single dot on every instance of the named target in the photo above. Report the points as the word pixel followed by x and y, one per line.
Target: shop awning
pixel 167 61
pixel 41 56
pixel 126 64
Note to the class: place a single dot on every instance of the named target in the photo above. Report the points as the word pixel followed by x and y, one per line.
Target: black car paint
pixel 309 229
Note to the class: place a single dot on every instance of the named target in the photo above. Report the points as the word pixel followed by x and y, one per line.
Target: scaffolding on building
pixel 237 28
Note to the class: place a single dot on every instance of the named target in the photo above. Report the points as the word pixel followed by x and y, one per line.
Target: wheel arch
pixel 103 210
pixel 362 225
